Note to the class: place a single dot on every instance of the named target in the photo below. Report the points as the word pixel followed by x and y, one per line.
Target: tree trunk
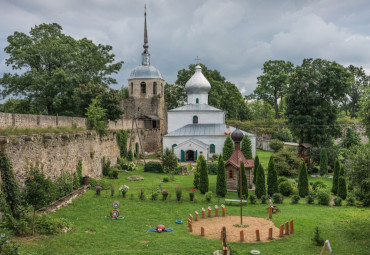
pixel 276 108
pixel 33 221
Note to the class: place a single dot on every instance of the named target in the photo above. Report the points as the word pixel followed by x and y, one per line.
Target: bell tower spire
pixel 145 55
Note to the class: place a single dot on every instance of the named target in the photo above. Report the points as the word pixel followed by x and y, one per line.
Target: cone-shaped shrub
pixel 244 182
pixel 334 189
pixel 228 148
pixel 260 182
pixel 342 187
pixel 246 147
pixel 341 171
pixel 272 183
pixel 203 180
pixel 197 175
pixel 303 180
pixel 221 178
pixel 256 164
pixel 323 162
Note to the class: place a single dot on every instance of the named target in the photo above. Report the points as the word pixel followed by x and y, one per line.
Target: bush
pixel 130 156
pixel 277 198
pixel 7 246
pixel 286 162
pixel 78 174
pixel 122 163
pixel 64 185
pixel 351 201
pixel 317 238
pixel 310 199
pixel 154 196
pixel 105 166
pixel 342 187
pixel 323 196
pixel 338 201
pixel 264 199
pixel 212 168
pixel 153 167
pixel 295 199
pixel 276 144
pixel 46 225
pixel 282 179
pixel 178 192
pixel 285 188
pixel 113 174
pixel 102 183
pixel 319 185
pixel 283 134
pixel 169 161
pixel 142 195
pixel 253 199
pixel 166 179
pixel 208 196
pixel 131 166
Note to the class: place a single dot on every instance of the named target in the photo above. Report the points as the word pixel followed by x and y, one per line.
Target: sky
pixel 235 37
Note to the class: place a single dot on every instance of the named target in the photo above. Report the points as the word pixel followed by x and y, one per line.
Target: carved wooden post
pixel 258 235
pixel 191 217
pixel 216 210
pixel 224 244
pixel 270 233
pixel 221 234
pixel 209 211
pixel 291 227
pixel 189 222
pixel 287 228
pixel 241 236
pixel 196 216
pixel 281 233
pixel 190 227
pixel 202 231
pixel 223 210
pixel 203 213
pixel 270 212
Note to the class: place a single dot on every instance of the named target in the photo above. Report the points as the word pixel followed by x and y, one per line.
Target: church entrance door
pixel 190 155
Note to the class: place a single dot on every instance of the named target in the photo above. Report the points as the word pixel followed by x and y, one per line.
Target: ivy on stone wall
pixel 122 142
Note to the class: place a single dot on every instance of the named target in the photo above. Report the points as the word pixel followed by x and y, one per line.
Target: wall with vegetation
pixel 59 153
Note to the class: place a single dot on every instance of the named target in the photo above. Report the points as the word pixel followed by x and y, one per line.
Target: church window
pixel 197 100
pixel 231 174
pixel 143 87
pixel 173 146
pixel 154 88
pixel 132 88
pixel 195 119
pixel 213 148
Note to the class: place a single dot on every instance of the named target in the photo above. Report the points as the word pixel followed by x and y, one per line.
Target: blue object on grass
pixel 154 229
pixel 178 222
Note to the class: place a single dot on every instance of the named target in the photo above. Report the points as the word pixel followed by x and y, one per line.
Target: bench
pixel 235 200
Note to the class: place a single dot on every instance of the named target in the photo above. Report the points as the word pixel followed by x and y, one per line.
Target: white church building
pixel 198 128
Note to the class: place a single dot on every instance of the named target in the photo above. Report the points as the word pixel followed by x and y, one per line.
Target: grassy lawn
pixel 264 157
pixel 347 228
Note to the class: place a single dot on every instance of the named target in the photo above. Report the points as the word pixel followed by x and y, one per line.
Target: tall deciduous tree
pixel 303 180
pixel 260 182
pixel 364 110
pixel 334 189
pixel 272 182
pixel 273 83
pixel 203 179
pixel 359 82
pixel 246 147
pixel 228 148
pixel 54 65
pixel 221 188
pixel 244 182
pixel 315 89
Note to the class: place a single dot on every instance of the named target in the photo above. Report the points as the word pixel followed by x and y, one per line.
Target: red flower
pixel 192 190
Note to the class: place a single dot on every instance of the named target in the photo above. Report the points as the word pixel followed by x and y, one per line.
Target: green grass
pixel 264 157
pixel 30 131
pixel 347 228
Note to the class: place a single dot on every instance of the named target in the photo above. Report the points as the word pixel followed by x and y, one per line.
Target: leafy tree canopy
pixel 54 65
pixel 364 110
pixel 359 82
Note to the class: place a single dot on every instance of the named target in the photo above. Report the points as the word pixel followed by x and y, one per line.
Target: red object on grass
pixel 160 228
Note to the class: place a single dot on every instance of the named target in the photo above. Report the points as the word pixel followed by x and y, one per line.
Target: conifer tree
pixel 244 182
pixel 341 171
pixel 246 147
pixel 197 175
pixel 323 162
pixel 203 180
pixel 337 167
pixel 256 164
pixel 260 182
pixel 228 148
pixel 221 188
pixel 342 187
pixel 303 180
pixel 272 183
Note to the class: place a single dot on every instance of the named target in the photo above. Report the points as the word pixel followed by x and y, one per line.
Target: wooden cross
pixel 197 59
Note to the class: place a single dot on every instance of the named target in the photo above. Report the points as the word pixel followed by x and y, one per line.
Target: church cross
pixel 197 59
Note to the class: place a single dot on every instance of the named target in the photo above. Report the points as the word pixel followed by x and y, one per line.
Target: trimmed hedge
pixel 285 188
pixel 212 168
pixel 153 167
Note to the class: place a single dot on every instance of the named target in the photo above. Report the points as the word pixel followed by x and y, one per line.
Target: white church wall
pixel 177 120
pixel 191 146
pixel 203 98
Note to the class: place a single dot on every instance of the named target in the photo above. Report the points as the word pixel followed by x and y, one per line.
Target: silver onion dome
pixel 145 72
pixel 237 135
pixel 197 84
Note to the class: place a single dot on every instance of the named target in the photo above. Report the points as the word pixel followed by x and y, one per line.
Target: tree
pixel 315 90
pixel 203 179
pixel 260 182
pixel 323 162
pixel 244 182
pixel 246 147
pixel 221 188
pixel 96 118
pixel 39 190
pixel 169 161
pixel 17 105
pixel 359 82
pixel 337 166
pixel 272 182
pixel 174 95
pixel 54 65
pixel 352 138
pixel 110 101
pixel 303 180
pixel 196 179
pixel 273 83
pixel 364 110
pixel 228 148
pixel 261 111
pixel 255 169
pixel 342 187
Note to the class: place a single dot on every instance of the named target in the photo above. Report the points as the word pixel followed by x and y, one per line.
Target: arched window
pixel 154 88
pixel 132 88
pixel 213 148
pixel 195 119
pixel 143 87
pixel 173 146
pixel 197 101
pixel 137 149
pixel 162 88
pixel 231 174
